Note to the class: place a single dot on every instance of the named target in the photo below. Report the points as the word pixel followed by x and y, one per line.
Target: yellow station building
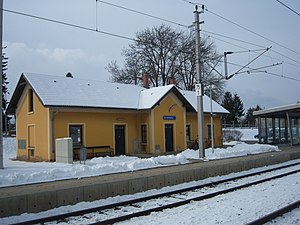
pixel 105 117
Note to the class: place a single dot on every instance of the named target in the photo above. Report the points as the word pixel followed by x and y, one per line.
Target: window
pixel 188 132
pixel 31 137
pixel 209 131
pixel 30 100
pixel 75 132
pixel 144 134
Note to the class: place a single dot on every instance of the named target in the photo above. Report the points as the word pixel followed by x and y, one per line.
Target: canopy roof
pixel 293 110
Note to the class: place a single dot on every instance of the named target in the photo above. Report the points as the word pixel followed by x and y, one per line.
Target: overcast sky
pixel 43 47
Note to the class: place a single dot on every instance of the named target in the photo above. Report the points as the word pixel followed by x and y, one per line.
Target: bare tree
pixel 164 53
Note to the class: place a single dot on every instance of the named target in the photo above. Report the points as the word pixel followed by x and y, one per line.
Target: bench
pixel 94 151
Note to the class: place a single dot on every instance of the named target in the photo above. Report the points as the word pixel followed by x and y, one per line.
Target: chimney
pixel 69 75
pixel 145 81
pixel 172 80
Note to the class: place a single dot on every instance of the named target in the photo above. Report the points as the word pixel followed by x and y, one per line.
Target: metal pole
pixel 289 132
pixel 199 83
pixel 211 121
pixel 1 119
pixel 225 65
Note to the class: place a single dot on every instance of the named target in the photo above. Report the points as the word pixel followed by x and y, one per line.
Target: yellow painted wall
pixel 33 127
pixel 192 120
pixel 169 106
pixel 98 127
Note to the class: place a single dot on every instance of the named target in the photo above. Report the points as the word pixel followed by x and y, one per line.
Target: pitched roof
pixel 62 91
pixel 191 97
pixel 65 91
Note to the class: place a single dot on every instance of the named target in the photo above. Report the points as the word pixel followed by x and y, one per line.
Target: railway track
pixel 277 213
pixel 134 208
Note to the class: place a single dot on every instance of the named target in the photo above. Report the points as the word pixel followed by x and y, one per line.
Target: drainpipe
pixel 53 113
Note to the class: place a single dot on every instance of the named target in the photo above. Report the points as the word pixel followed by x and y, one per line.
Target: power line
pixel 185 26
pixel 232 38
pixel 68 24
pixel 142 13
pixel 236 24
pixel 145 14
pixel 288 7
pixel 249 43
pixel 253 32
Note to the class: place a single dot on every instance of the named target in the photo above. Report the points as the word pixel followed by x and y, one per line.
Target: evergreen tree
pixel 228 104
pixel 238 107
pixel 235 107
pixel 249 115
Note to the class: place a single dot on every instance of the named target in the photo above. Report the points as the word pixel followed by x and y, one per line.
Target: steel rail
pixel 273 215
pixel 184 202
pixel 160 195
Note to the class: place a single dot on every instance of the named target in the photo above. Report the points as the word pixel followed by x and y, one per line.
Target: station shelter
pixel 279 125
pixel 104 117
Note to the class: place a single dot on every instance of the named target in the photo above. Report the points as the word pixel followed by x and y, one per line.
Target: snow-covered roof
pixel 60 91
pixel 65 91
pixel 192 98
pixel 149 97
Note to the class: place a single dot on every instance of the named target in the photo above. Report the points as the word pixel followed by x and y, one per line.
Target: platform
pixel 43 196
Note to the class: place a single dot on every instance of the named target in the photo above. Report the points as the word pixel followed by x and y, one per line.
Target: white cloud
pixel 56 61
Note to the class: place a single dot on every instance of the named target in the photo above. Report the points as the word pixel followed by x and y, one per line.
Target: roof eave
pixel 14 100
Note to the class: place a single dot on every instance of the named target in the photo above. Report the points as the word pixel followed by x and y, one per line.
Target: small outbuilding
pixel 105 118
pixel 279 125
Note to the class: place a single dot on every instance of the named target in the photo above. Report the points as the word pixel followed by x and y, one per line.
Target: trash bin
pixel 82 155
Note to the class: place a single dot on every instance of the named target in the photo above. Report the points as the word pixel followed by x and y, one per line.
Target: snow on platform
pixel 19 172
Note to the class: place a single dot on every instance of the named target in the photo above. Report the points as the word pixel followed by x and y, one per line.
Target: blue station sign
pixel 169 117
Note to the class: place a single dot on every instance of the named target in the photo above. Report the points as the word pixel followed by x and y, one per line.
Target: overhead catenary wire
pixel 96 15
pixel 264 71
pixel 237 72
pixel 253 32
pixel 209 33
pixel 69 24
pixel 285 5
pixel 142 13
pixel 148 15
pixel 244 28
pixel 185 26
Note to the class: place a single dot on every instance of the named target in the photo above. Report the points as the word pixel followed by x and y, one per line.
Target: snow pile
pixel 248 134
pixel 240 149
pixel 17 172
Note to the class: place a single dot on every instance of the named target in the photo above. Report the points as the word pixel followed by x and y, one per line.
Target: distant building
pixel 279 125
pixel 105 117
